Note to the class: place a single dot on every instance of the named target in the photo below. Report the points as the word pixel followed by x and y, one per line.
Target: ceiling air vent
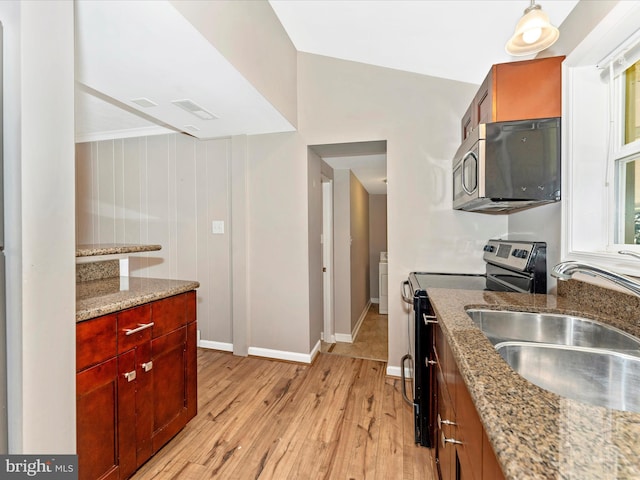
pixel 144 102
pixel 194 109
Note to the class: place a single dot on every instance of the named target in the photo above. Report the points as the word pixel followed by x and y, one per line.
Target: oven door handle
pixel 506 284
pixel 406 298
pixel 404 380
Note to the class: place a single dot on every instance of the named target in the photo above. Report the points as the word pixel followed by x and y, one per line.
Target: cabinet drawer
pixel 134 327
pixel 95 341
pixel 169 314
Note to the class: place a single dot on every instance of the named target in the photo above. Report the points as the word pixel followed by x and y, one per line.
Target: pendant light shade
pixel 533 33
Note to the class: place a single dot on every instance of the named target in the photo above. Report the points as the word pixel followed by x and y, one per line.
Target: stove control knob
pixel 489 248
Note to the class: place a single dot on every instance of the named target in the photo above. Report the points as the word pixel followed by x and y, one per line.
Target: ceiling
pixel 452 39
pixel 124 59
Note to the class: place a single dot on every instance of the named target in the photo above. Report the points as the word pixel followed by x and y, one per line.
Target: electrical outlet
pixel 217 227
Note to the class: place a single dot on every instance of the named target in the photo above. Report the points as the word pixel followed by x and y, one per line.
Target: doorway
pixel 354 229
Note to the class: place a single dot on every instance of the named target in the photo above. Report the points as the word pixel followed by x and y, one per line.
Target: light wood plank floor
pixel 371 341
pixel 340 418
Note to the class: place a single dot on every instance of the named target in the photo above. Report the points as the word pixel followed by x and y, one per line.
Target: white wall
pixel 316 304
pixel 377 239
pixel 166 190
pixel 342 251
pixel 278 272
pixel 359 257
pixel 39 208
pixel 419 117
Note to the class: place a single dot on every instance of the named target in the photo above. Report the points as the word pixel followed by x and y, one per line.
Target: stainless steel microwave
pixel 504 166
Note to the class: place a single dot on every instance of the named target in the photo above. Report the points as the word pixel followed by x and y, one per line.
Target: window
pixel 601 143
pixel 628 166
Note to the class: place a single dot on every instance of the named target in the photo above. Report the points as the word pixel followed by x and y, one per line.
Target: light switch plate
pixel 217 227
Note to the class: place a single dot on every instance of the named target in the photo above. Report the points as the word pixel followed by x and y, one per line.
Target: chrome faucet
pixel 565 270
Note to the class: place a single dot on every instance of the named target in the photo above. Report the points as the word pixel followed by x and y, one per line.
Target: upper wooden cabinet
pixel 517 91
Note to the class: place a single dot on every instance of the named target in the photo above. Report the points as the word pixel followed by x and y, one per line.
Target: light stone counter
pixel 99 249
pixel 108 295
pixel 537 434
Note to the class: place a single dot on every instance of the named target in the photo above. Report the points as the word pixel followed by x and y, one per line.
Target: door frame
pixel 328 334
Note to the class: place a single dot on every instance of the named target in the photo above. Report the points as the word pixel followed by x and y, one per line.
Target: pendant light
pixel 533 32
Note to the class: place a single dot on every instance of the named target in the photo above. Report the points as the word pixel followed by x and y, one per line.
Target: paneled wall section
pixel 167 190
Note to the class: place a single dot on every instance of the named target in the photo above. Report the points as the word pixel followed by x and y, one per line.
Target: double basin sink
pixel 573 357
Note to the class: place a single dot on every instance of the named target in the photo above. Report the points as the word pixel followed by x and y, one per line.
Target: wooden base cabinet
pixel 143 393
pixel 463 451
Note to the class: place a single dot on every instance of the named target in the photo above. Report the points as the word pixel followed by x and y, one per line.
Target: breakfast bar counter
pixel 100 297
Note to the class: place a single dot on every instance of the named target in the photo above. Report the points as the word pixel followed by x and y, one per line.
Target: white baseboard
pixel 265 352
pixel 343 337
pixel 284 355
pixel 225 347
pixel 375 300
pixel 346 338
pixel 360 320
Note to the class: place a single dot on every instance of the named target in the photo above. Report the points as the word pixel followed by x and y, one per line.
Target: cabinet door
pixel 96 411
pixel 170 386
pixel 484 99
pixel 528 89
pixel 445 451
pixel 490 466
pixel 135 383
pixel 468 121
pixel 127 413
pixel 469 433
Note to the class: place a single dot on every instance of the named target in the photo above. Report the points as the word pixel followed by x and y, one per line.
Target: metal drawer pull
pixel 146 366
pixel 446 440
pixel 429 319
pixel 130 376
pixel 444 422
pixel 141 326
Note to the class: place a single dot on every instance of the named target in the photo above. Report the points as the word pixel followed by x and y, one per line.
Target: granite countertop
pixel 100 297
pixel 536 433
pixel 95 249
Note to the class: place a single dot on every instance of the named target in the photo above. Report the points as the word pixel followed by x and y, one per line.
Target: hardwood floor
pixel 340 418
pixel 371 341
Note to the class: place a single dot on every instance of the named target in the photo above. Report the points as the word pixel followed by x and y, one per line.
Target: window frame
pixel 589 214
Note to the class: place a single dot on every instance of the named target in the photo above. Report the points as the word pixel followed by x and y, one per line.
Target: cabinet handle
pixel 130 376
pixel 141 326
pixel 444 422
pixel 429 319
pixel 430 362
pixel 446 440
pixel 146 366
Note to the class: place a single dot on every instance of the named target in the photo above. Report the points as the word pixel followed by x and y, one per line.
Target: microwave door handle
pixel 464 186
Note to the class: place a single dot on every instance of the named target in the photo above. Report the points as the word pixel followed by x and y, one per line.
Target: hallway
pixel 371 341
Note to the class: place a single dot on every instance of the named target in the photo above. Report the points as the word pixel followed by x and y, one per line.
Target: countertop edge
pixel 113 249
pixel 99 305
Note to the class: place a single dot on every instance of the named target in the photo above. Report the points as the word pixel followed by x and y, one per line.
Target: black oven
pixel 513 266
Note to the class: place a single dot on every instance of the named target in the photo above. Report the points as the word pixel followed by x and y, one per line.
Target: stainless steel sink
pixel 501 325
pixel 598 377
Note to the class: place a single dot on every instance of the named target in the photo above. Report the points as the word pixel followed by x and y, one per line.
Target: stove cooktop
pixel 420 281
